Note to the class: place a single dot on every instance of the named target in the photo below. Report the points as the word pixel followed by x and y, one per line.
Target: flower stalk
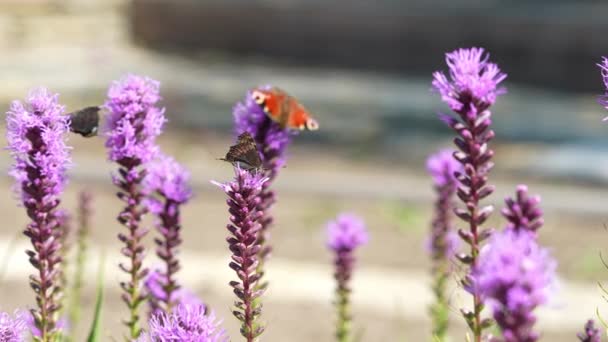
pixel 344 236
pixel 441 166
pixel 470 91
pixel 244 227
pixel 133 123
pixel 36 133
pixel 168 189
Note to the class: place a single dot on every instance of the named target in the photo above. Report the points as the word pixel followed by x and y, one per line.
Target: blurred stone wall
pixel 26 24
pixel 553 44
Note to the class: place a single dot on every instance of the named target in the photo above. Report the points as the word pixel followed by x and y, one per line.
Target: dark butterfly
pixel 85 121
pixel 244 153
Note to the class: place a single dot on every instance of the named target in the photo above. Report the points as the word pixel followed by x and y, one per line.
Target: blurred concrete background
pixel 364 70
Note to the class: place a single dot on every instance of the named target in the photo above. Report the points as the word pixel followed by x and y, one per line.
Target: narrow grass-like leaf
pixel 96 324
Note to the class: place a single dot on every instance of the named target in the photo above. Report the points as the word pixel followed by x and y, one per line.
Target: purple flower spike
pixel 36 133
pixel 603 99
pixel 471 77
pixel 13 328
pixel 243 205
pixel 443 240
pixel 187 323
pixel 523 211
pixel 470 91
pixel 169 181
pixel 515 275
pixel 272 141
pixel 344 235
pixel 591 333
pixel 133 123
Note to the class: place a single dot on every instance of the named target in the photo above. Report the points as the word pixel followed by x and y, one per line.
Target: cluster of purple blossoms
pixel 166 185
pixel 470 90
pixel 523 212
pixel 13 328
pixel 514 275
pixel 186 323
pixel 244 244
pixel 156 284
pixel 133 124
pixel 344 235
pixel 36 134
pixel 272 142
pixel 443 239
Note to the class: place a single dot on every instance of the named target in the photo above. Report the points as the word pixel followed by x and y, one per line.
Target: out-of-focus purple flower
pixel 167 187
pixel 603 99
pixel 523 212
pixel 134 120
pixel 13 328
pixel 514 275
pixel 591 333
pixel 344 235
pixel 272 142
pixel 441 166
pixel 244 227
pixel 471 76
pixel 347 232
pixel 169 179
pixel 36 134
pixel 470 90
pixel 187 323
pixel 155 284
pixel 443 241
pixel 132 126
pixel 62 326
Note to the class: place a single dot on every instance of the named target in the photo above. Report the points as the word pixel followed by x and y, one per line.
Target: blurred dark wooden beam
pixel 545 46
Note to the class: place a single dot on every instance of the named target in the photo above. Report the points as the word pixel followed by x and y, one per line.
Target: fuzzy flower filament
pixel 133 123
pixel 13 328
pixel 442 166
pixel 167 185
pixel 187 323
pixel 344 236
pixel 603 99
pixel 470 90
pixel 515 276
pixel 244 227
pixel 36 133
pixel 523 212
pixel 272 141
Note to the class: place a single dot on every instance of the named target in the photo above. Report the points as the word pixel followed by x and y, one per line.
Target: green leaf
pixel 96 324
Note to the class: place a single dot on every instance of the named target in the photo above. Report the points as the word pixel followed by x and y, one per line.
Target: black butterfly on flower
pixel 244 153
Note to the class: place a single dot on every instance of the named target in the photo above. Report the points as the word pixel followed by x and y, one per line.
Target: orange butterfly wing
pixel 284 109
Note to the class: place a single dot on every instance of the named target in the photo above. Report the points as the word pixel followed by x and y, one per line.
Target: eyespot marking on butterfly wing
pixel 312 124
pixel 258 97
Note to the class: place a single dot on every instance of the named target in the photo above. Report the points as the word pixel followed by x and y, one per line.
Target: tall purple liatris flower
pixel 243 205
pixel 167 185
pixel 133 123
pixel 514 275
pixel 187 323
pixel 523 212
pixel 272 141
pixel 36 133
pixel 12 328
pixel 470 90
pixel 591 333
pixel 344 235
pixel 442 166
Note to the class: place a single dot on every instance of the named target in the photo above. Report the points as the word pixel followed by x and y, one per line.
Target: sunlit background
pixel 364 70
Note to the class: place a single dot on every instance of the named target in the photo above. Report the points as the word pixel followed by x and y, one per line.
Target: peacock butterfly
pixel 284 109
pixel 85 121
